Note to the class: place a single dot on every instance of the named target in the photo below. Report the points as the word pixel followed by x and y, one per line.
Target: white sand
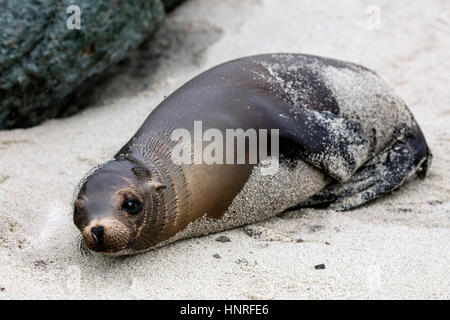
pixel 397 247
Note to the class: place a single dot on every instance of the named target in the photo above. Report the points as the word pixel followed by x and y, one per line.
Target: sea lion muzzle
pixel 106 235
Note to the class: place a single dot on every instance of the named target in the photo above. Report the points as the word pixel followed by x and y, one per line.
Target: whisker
pixel 84 251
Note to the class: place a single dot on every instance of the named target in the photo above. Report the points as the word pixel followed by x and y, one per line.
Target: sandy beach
pixel 397 247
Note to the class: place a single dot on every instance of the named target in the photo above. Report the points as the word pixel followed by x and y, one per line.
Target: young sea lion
pixel 344 139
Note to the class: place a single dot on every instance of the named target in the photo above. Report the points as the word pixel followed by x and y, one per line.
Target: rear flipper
pixel 388 170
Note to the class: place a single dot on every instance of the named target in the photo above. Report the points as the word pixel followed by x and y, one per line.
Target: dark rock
pixel 45 66
pixel 223 239
pixel 217 256
pixel 320 266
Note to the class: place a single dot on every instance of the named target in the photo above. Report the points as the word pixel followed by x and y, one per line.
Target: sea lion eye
pixel 132 206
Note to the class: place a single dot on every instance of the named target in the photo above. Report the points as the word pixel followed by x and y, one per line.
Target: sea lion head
pixel 112 207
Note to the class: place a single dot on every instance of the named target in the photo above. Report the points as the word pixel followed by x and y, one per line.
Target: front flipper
pixel 409 154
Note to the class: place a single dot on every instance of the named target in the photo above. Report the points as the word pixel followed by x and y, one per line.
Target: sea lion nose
pixel 98 232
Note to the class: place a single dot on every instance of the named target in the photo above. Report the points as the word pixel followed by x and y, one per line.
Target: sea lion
pixel 344 138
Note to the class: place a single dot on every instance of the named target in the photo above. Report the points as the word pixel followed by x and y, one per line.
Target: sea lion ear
pixel 143 174
pixel 157 185
pixel 154 185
